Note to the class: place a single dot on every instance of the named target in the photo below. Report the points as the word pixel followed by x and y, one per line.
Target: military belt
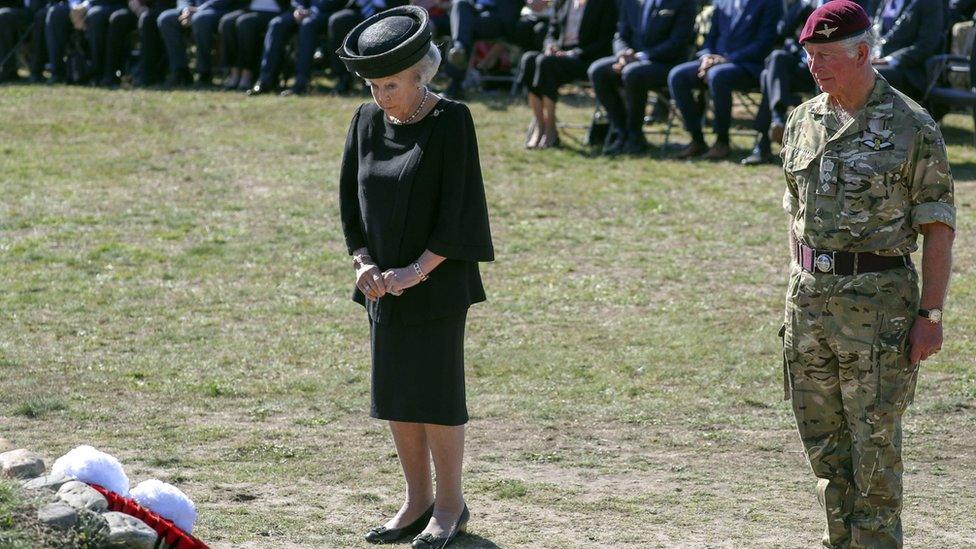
pixel 812 260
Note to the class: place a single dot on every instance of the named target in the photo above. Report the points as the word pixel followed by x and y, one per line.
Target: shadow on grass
pixel 464 541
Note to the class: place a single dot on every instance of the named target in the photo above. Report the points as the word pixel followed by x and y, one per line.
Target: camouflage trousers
pixel 846 369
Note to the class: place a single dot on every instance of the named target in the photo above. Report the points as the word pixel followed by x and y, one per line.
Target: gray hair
pixel 850 44
pixel 426 69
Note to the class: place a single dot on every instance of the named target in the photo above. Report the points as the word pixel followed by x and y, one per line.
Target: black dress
pixel 405 189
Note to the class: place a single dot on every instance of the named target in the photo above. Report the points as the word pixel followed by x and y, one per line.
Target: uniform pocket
pixel 874 192
pixel 897 377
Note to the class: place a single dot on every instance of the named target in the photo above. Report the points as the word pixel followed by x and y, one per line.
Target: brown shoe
pixel 718 151
pixel 776 132
pixel 691 150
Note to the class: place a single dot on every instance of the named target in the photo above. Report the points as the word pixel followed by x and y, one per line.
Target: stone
pixel 58 515
pixel 49 482
pixel 128 531
pixel 21 464
pixel 82 496
pixel 6 445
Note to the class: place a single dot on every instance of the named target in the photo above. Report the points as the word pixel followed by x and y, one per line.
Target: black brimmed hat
pixel 387 42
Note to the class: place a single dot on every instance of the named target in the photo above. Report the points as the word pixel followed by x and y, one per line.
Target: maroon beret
pixel 833 21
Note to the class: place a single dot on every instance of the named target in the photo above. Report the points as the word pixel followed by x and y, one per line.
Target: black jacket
pixel 595 32
pixel 439 206
pixel 670 31
pixel 916 35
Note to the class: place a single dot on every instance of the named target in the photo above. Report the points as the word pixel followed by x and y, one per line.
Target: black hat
pixel 387 42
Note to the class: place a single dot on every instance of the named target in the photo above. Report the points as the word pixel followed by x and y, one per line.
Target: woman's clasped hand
pixel 375 283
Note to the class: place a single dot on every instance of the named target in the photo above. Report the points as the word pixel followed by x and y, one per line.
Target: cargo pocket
pixel 897 376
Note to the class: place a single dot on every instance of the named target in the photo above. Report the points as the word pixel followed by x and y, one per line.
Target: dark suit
pixel 473 20
pixel 543 74
pixel 283 27
pixel 172 34
pixel 914 36
pixel 107 26
pixel 17 18
pixel 205 23
pixel 151 44
pixel 744 37
pixel 242 36
pixel 661 36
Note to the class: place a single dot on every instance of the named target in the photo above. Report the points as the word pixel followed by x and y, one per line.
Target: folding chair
pixel 941 93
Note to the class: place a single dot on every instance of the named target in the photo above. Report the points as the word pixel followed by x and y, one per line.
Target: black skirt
pixel 418 371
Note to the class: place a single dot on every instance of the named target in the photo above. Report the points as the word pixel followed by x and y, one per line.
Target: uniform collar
pixel 879 106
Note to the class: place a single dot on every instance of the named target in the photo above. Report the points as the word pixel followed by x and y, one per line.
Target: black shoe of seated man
pixel 637 145
pixel 757 157
pixel 111 83
pixel 429 541
pixel 258 89
pixel 204 81
pixel 295 91
pixel 615 144
pixel 182 78
pixel 35 78
pixel 382 534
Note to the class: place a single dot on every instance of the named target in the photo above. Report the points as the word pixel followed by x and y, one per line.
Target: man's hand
pixel 137 7
pixel 77 16
pixel 707 62
pixel 925 339
pixel 300 14
pixel 625 58
pixel 186 16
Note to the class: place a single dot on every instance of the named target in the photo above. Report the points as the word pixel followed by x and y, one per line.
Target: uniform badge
pixel 824 263
pixel 827 31
pixel 876 142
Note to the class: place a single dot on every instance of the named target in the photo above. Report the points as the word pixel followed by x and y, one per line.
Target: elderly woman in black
pixel 416 224
pixel 580 32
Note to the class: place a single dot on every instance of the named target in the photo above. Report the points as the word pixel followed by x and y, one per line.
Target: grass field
pixel 174 290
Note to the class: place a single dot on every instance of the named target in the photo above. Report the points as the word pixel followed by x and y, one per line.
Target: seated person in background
pixel 652 37
pixel 960 10
pixel 241 37
pixel 306 17
pixel 741 36
pixel 476 20
pixel 107 30
pixel 144 15
pixel 909 32
pixel 439 12
pixel 205 19
pixel 579 32
pixel 171 24
pixel 343 21
pixel 58 27
pixel 532 27
pixel 786 75
pixel 16 18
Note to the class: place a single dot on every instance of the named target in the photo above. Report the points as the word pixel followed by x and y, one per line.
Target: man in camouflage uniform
pixel 866 172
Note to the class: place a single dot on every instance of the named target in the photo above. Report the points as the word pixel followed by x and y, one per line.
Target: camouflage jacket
pixel 867 185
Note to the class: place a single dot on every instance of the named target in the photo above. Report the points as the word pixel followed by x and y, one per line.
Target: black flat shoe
pixel 429 541
pixel 382 534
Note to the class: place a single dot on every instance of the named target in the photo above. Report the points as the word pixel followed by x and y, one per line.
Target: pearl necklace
pixel 410 118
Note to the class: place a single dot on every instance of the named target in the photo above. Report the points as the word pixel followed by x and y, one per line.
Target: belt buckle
pixel 825 263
